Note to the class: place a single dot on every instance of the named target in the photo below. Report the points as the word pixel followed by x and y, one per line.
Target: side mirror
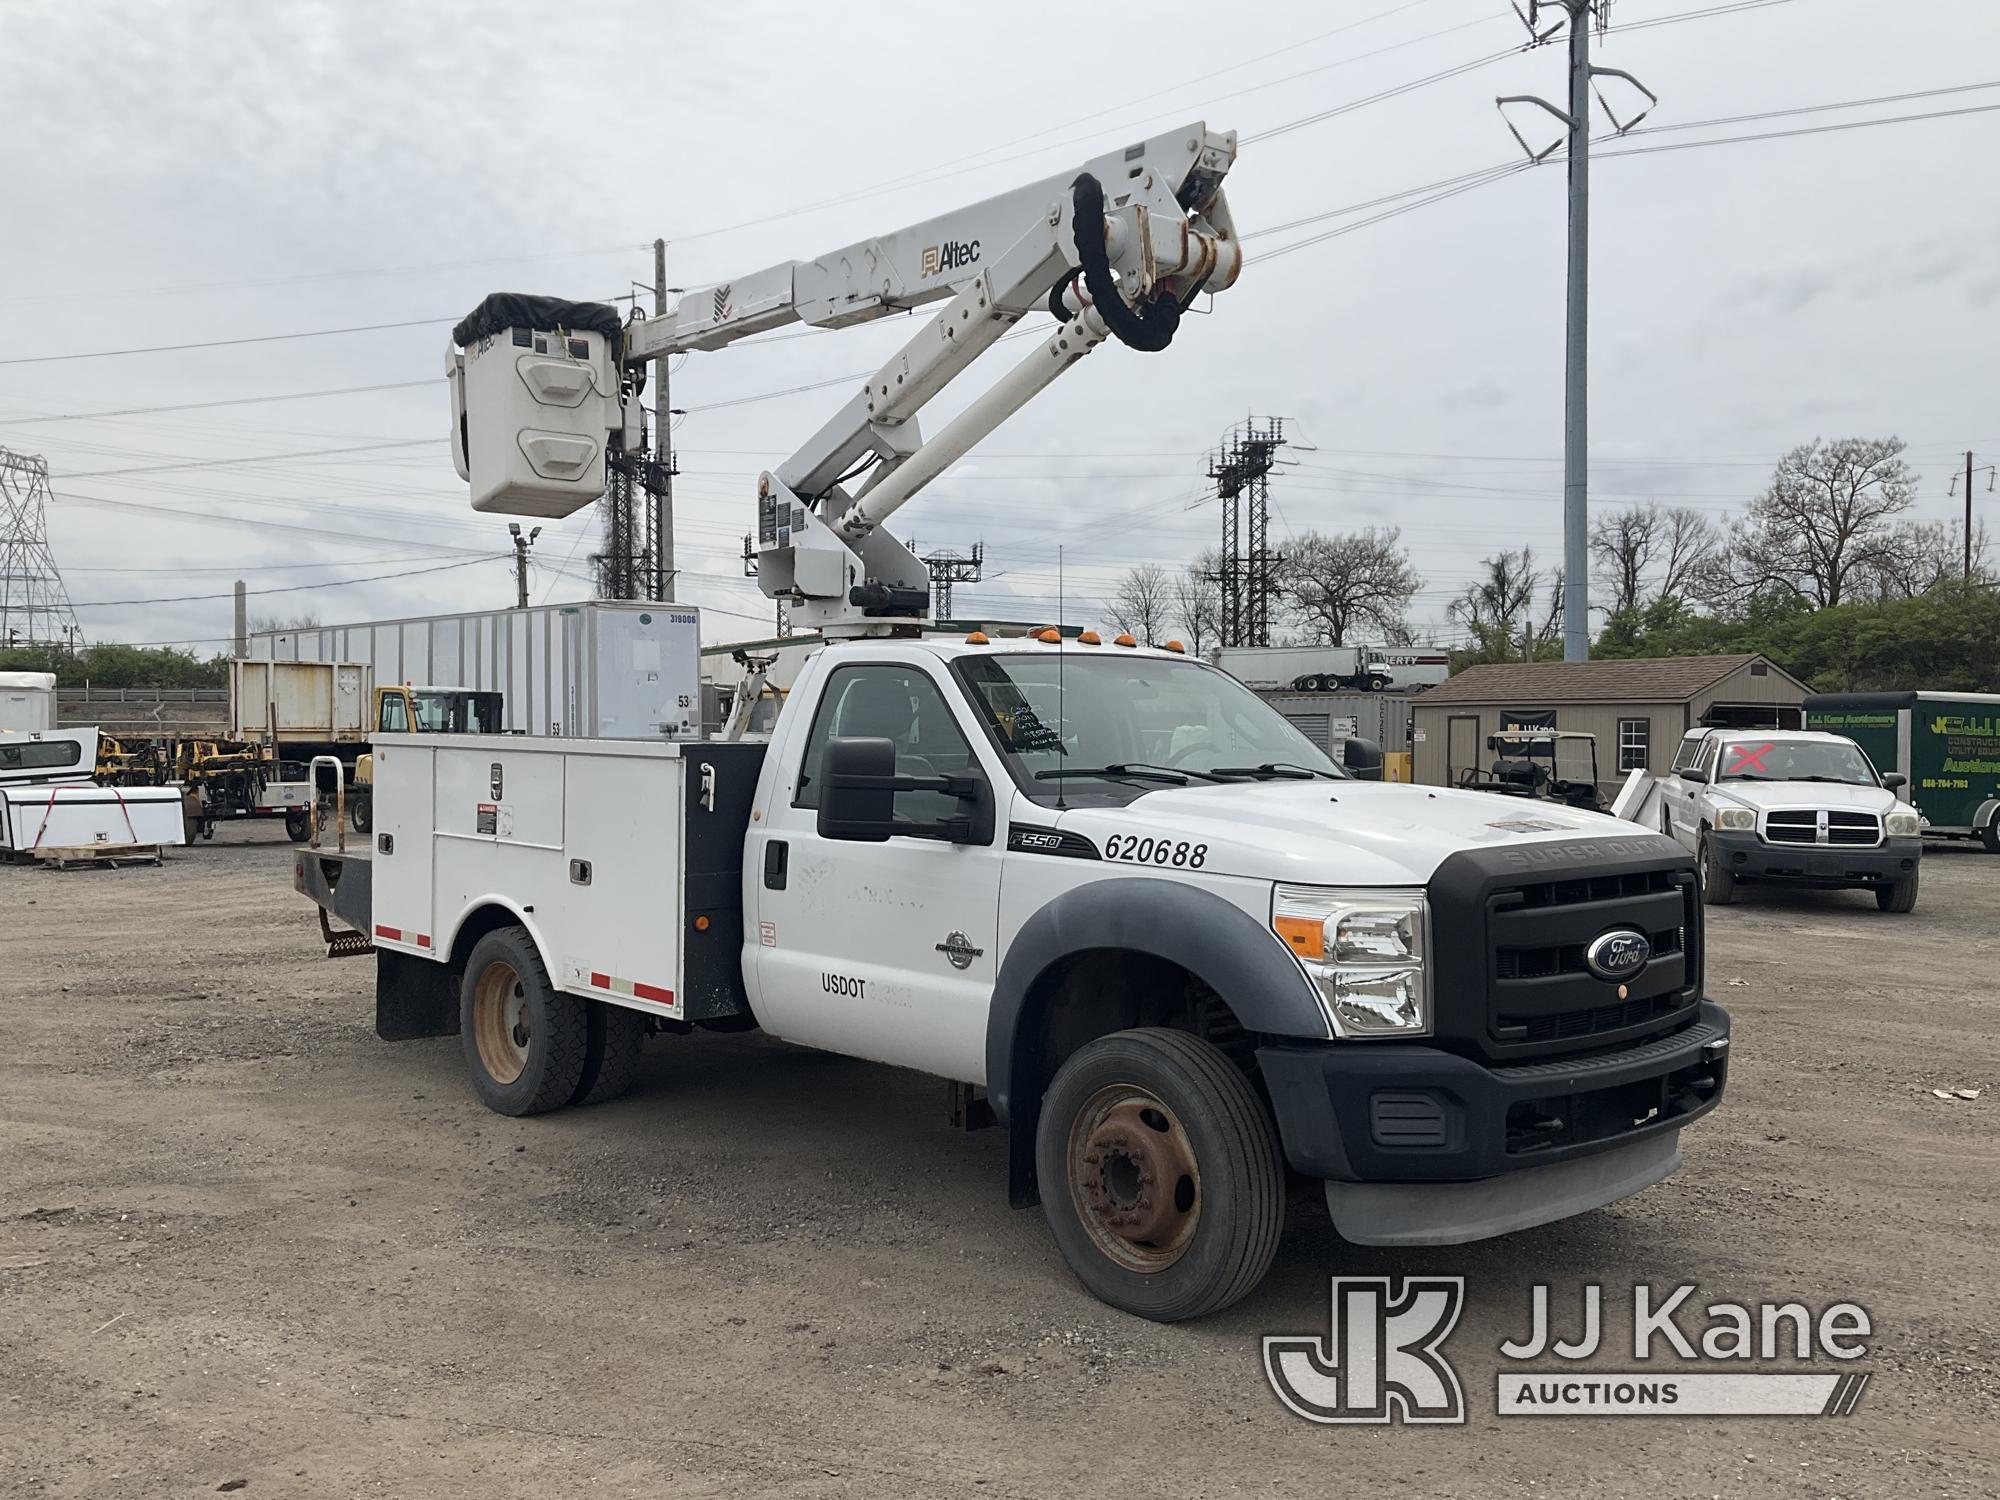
pixel 1894 780
pixel 858 800
pixel 1362 759
pixel 1694 773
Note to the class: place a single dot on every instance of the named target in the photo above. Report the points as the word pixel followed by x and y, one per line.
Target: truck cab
pixel 1118 891
pixel 406 709
pixel 1791 807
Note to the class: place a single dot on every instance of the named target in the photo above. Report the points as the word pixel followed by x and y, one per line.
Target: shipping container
pixel 604 669
pixel 1327 719
pixel 300 702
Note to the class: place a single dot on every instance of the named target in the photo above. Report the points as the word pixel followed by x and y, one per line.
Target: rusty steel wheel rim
pixel 500 1026
pixel 1133 1178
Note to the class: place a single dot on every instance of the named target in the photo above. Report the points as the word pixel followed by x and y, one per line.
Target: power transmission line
pixel 294 588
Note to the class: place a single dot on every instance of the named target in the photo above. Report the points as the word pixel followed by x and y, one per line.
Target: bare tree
pixel 263 623
pixel 1918 556
pixel 1336 584
pixel 1141 602
pixel 1495 605
pixel 1826 520
pixel 1196 605
pixel 1650 551
pixel 1688 544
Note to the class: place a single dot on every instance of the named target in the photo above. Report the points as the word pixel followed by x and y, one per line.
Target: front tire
pixel 1901 896
pixel 1990 836
pixel 525 1041
pixel 361 813
pixel 298 827
pixel 1160 1174
pixel 1718 885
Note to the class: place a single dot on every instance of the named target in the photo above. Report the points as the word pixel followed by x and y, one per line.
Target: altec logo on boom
pixel 952 255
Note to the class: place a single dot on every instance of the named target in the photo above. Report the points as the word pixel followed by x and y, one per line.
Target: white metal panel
pixel 648 674
pixel 508 793
pixel 623 817
pixel 404 813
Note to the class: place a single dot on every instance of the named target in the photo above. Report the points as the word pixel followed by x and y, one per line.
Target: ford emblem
pixel 1617 955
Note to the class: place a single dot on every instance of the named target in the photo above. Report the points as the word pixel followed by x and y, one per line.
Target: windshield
pixel 1111 727
pixel 1794 760
pixel 457 713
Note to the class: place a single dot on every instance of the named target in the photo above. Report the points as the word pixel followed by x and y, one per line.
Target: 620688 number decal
pixel 1136 850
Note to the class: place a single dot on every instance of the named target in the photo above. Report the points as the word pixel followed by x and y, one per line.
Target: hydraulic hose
pixel 1149 328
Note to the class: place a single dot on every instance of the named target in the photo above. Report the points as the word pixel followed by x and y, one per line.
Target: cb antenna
pixel 1061 804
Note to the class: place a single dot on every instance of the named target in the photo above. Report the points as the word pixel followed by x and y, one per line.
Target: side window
pixel 902 705
pixel 1684 756
pixel 1706 760
pixel 1634 740
pixel 394 719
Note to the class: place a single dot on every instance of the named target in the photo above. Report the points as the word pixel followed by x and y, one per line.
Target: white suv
pixel 1794 807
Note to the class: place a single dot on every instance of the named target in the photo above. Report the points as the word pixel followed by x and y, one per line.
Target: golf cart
pixel 1553 765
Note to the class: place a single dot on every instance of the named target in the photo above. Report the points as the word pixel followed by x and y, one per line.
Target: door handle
pixel 776 857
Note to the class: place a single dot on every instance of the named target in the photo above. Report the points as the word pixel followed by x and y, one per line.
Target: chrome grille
pixel 1823 826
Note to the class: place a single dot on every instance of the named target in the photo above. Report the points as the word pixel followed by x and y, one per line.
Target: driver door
pixel 881 950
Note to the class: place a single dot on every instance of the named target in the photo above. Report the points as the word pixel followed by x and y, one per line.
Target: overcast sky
pixel 183 172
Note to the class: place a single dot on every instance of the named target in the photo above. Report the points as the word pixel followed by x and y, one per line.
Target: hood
pixel 1772 796
pixel 1343 832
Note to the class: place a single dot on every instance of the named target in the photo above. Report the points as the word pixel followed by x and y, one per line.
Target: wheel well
pixel 486 919
pixel 1092 994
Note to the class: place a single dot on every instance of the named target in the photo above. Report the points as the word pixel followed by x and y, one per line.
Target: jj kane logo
pixel 952 255
pixel 1382 1357
pixel 1379 1361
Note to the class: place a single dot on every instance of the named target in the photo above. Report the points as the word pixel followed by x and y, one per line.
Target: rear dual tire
pixel 530 1047
pixel 1160 1174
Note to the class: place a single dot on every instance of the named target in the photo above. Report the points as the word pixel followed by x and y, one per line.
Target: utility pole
pixel 661 494
pixel 1991 471
pixel 521 546
pixel 241 633
pixel 1576 360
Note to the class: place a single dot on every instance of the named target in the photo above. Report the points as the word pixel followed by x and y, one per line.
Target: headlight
pixel 1904 823
pixel 1738 818
pixel 1365 952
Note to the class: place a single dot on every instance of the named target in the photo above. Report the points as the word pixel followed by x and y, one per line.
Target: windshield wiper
pixel 1136 771
pixel 1834 780
pixel 1282 769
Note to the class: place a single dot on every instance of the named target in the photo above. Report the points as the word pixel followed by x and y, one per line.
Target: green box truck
pixel 1947 744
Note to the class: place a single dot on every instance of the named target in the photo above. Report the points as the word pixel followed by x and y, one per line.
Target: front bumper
pixel 1396 1114
pixel 1749 857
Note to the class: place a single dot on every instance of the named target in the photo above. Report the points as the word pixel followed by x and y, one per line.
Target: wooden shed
pixel 1638 709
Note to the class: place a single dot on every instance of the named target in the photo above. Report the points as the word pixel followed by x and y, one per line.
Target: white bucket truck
pixel 1179 949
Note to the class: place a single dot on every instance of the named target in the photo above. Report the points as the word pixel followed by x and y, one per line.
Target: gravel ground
pixel 245 1245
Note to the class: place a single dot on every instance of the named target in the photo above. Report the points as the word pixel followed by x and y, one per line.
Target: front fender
pixel 1227 949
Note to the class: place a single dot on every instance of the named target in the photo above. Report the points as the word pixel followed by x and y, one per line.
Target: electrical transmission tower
pixel 34 605
pixel 637 502
pixel 1576 422
pixel 1241 469
pixel 947 567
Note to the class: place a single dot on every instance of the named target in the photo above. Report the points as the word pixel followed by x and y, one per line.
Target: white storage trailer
pixel 27 701
pixel 604 669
